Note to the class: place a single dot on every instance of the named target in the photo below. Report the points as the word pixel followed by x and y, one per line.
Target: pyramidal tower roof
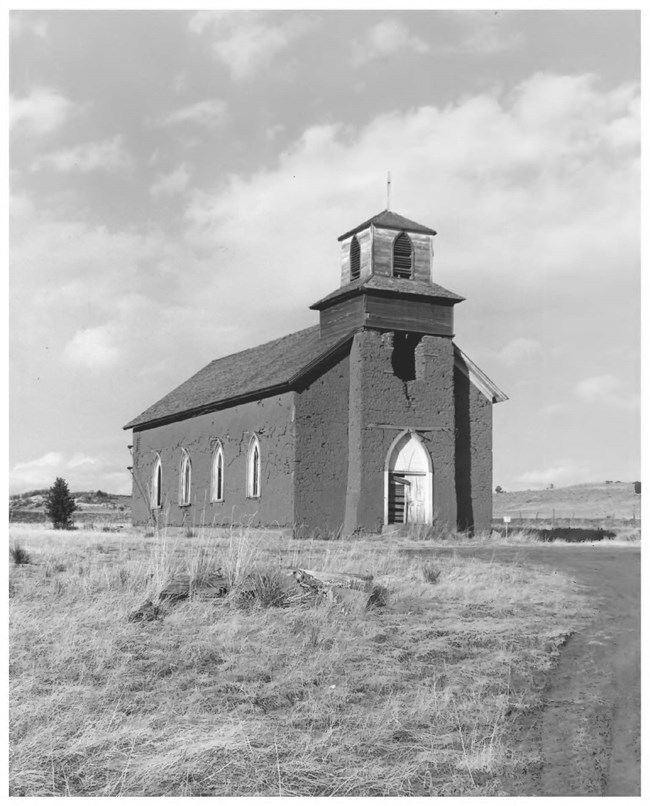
pixel 389 220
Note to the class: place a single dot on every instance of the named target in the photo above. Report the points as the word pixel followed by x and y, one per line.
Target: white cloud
pixel 36 473
pixel 104 155
pixel 246 42
pixel 606 389
pixel 81 472
pixel 25 22
pixel 558 475
pixel 42 111
pixel 172 183
pixel 81 460
pixel 92 348
pixel 210 114
pixel 517 350
pixel 536 201
pixel 202 20
pixel 384 39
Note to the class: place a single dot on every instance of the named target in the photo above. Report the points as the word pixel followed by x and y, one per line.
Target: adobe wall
pixel 378 396
pixel 270 419
pixel 321 470
pixel 473 456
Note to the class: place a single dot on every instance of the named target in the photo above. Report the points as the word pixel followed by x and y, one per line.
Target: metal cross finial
pixel 388 192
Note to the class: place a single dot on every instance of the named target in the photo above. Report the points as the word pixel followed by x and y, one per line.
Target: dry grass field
pixel 423 696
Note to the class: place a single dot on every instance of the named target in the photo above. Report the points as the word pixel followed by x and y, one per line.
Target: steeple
pixel 386 280
pixel 387 245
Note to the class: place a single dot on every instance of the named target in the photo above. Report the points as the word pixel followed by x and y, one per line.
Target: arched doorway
pixel 408 481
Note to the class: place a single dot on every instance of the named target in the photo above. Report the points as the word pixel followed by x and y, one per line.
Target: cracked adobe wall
pixel 322 449
pixel 379 396
pixel 270 419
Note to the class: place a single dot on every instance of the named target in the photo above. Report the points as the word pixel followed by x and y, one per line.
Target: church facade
pixel 367 421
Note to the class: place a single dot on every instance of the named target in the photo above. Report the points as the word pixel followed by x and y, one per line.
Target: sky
pixel 178 182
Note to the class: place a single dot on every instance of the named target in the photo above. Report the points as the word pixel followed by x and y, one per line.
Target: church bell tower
pixel 386 281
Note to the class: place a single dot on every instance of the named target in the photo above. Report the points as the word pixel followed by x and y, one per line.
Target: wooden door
pixel 417 499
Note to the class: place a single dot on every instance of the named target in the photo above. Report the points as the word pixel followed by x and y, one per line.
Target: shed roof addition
pixel 389 220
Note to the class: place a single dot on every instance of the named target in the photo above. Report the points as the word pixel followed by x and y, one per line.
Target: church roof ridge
pixel 387 219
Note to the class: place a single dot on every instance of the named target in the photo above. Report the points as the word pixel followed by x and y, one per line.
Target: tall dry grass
pixel 417 698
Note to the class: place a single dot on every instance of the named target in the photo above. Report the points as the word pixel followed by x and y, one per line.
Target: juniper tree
pixel 60 505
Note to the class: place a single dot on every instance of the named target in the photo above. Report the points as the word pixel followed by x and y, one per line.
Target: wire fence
pixel 551 520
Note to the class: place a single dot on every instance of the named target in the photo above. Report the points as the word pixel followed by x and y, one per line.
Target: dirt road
pixel 588 735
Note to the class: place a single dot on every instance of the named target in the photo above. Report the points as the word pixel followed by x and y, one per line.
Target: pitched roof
pixel 377 282
pixel 389 220
pixel 263 369
pixel 478 377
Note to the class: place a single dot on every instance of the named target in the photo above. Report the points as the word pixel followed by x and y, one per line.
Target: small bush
pixel 19 555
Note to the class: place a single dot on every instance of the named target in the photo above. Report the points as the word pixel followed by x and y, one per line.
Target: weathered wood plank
pixel 342 317
pixel 417 316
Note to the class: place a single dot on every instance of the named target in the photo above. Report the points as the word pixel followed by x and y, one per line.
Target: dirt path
pixel 588 734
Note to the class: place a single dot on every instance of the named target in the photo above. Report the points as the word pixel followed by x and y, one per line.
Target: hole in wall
pixel 403 356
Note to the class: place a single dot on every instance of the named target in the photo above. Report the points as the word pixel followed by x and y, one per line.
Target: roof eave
pixel 185 414
pixel 478 377
pixel 347 293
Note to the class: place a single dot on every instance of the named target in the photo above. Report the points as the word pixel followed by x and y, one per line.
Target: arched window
pixel 185 489
pixel 217 473
pixel 355 259
pixel 253 480
pixel 403 257
pixel 156 484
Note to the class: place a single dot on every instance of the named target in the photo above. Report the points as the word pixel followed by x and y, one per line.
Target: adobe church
pixel 371 419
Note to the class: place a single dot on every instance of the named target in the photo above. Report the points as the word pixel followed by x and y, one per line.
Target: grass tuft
pixel 430 572
pixel 19 555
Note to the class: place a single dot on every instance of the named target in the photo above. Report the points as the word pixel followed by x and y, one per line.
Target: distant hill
pixel 616 500
pixel 98 506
